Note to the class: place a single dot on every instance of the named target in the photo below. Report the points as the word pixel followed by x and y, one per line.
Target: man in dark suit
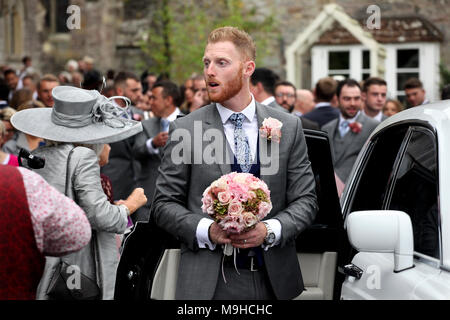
pixel 350 130
pixel 324 92
pixel 122 168
pixel 262 86
pixel 374 94
pixel 149 143
pixel 285 96
pixel 267 259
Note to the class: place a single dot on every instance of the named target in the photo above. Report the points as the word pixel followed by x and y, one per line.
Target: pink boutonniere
pixel 355 127
pixel 271 129
pixel 137 117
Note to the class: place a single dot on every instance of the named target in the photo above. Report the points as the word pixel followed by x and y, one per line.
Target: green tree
pixel 176 39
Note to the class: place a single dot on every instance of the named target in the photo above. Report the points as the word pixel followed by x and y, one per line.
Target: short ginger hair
pixel 241 40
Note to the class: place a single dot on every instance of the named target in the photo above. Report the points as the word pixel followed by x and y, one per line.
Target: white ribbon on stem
pixel 229 250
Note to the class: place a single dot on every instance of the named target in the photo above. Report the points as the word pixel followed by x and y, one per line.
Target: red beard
pixel 229 89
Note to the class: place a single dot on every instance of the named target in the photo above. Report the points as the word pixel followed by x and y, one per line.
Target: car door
pixel 399 171
pixel 148 265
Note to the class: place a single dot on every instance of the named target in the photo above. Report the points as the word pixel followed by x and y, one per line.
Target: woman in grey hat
pixel 75 130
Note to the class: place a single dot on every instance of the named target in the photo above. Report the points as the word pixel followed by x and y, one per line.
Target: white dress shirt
pixel 250 127
pixel 268 101
pixel 378 117
pixel 322 104
pixel 170 118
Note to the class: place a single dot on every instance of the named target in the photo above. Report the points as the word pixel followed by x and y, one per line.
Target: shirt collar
pixel 268 101
pixel 351 120
pixel 323 104
pixel 249 111
pixel 173 115
pixel 378 117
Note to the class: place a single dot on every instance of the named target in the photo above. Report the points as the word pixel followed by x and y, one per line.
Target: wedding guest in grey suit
pixel 262 86
pixel 267 259
pixel 374 95
pixel 149 143
pixel 123 169
pixel 349 132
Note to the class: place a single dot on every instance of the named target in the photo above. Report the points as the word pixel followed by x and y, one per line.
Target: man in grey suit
pixel 122 168
pixel 349 132
pixel 149 143
pixel 262 86
pixel 267 259
pixel 374 94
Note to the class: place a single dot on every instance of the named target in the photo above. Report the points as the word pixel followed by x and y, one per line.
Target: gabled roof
pixel 392 30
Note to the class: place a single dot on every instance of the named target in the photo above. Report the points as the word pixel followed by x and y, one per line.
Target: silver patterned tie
pixel 241 146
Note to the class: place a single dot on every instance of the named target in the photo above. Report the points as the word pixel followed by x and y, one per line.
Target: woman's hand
pixel 135 200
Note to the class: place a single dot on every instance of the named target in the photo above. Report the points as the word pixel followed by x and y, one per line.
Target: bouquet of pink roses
pixel 237 201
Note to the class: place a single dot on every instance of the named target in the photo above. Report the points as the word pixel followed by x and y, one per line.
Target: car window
pixel 372 177
pixel 415 190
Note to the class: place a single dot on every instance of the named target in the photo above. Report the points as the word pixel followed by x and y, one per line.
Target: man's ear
pixel 249 68
pixel 363 96
pixel 119 91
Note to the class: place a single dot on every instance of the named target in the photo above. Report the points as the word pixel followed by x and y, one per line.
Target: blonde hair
pixel 241 40
pixel 2 130
pixel 31 104
pixel 7 113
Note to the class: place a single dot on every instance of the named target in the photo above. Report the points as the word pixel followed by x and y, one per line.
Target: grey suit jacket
pixel 345 149
pixel 276 106
pixel 149 163
pixel 177 201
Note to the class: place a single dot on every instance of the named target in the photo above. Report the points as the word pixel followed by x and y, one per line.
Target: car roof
pixel 437 114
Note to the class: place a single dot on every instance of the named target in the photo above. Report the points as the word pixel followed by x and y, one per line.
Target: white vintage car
pixel 387 238
pixel 396 207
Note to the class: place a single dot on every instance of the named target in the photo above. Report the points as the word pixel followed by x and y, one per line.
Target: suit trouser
pixel 248 285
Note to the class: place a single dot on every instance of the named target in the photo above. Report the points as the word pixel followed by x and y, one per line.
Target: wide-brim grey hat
pixel 78 116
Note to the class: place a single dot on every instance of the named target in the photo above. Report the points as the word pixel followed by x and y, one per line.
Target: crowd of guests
pixel 347 110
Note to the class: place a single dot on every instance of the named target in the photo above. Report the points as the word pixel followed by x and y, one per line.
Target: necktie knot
pixel 344 124
pixel 343 127
pixel 237 119
pixel 165 125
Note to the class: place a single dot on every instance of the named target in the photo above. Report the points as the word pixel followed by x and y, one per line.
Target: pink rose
pixel 276 135
pixel 272 123
pixel 235 208
pixel 249 219
pixel 224 197
pixel 271 129
pixel 264 209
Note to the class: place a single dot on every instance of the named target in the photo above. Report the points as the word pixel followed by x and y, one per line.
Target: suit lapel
pixel 213 121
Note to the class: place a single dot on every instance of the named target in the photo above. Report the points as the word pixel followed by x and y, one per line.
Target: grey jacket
pixel 345 149
pixel 149 162
pixel 106 219
pixel 177 201
pixel 14 145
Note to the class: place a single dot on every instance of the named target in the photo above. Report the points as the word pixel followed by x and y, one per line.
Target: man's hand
pixel 252 238
pixel 217 235
pixel 160 139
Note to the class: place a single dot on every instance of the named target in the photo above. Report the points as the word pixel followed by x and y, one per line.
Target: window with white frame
pixel 403 61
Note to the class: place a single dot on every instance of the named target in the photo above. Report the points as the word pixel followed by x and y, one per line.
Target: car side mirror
pixel 383 231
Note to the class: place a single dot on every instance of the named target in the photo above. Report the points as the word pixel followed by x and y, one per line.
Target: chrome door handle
pixel 352 271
